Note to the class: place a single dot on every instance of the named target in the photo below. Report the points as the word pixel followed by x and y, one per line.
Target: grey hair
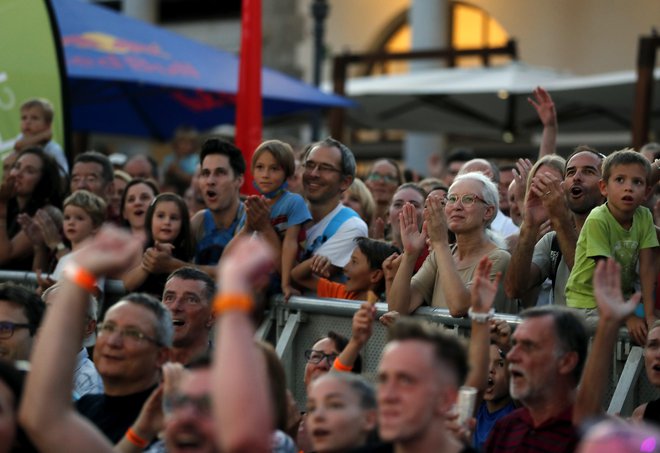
pixel 348 165
pixel 489 191
pixel 163 327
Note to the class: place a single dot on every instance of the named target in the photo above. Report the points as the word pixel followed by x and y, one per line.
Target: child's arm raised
pixel 362 328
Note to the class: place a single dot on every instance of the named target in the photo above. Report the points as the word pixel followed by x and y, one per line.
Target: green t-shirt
pixel 602 235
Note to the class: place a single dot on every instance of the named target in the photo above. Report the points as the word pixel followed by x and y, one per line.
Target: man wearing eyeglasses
pixel 133 343
pixel 20 315
pixel 329 169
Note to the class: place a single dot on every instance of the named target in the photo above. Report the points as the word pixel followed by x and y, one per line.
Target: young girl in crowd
pixel 272 163
pixel 167 226
pixel 135 200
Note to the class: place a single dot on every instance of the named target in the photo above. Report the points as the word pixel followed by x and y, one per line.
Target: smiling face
pixel 166 222
pixel 358 272
pixel 652 357
pixel 191 311
pixel 335 419
pixel 581 182
pixel 27 172
pixel 138 198
pixel 123 361
pixel 461 218
pixel 189 426
pixel 625 190
pixel 268 173
pixel 218 183
pixel 77 224
pixel 325 182
pixel 351 199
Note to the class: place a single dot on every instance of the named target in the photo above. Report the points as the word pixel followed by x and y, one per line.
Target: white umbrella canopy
pixel 487 101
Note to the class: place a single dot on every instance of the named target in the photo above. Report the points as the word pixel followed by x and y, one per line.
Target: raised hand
pixel 257 213
pixel 500 333
pixel 31 229
pixel 111 250
pixel 377 230
pixel 607 292
pixel 50 228
pixel 483 291
pixel 412 239
pixel 391 265
pixel 246 266
pixel 544 106
pixel 436 221
pixel 363 321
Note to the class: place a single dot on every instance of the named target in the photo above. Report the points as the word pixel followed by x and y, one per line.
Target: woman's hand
pixel 412 239
pixel 436 221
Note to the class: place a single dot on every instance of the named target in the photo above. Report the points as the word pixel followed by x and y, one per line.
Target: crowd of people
pixel 568 245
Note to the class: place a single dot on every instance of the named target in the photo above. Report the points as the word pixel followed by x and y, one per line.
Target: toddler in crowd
pixel 83 215
pixel 273 162
pixel 621 229
pixel 363 272
pixel 167 226
pixel 36 122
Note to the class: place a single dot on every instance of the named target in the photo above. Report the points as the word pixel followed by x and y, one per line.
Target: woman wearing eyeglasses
pixel 444 279
pixel 383 179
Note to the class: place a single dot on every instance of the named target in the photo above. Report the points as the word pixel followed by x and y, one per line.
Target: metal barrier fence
pixel 295 326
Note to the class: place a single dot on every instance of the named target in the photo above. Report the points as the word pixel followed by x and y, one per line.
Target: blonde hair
pixel 363 194
pixel 92 204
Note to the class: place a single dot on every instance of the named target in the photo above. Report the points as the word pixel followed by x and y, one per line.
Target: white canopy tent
pixel 488 101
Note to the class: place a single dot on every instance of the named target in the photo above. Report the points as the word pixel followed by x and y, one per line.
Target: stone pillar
pixel 429 22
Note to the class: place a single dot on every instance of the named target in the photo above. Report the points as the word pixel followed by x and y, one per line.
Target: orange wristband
pixel 81 277
pixel 237 302
pixel 136 440
pixel 337 365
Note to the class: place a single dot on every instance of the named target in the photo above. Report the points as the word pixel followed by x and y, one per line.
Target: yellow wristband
pixel 80 277
pixel 236 302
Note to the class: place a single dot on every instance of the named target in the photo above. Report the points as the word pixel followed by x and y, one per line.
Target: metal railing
pixel 296 325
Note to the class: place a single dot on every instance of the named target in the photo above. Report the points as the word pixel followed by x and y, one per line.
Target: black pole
pixel 319 11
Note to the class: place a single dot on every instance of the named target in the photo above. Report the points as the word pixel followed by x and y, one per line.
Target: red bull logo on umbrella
pixel 106 43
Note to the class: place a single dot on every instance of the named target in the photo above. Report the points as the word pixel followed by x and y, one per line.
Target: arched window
pixel 470 27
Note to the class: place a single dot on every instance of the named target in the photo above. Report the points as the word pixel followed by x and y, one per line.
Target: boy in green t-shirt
pixel 623 229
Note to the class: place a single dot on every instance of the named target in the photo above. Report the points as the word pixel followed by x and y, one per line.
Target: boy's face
pixel 625 189
pixel 77 224
pixel 498 377
pixel 33 121
pixel 358 272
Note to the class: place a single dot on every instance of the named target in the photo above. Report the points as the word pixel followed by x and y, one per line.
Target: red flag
pixel 248 102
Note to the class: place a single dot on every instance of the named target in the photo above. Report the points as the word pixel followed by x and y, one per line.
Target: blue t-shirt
pixel 486 420
pixel 289 210
pixel 209 249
